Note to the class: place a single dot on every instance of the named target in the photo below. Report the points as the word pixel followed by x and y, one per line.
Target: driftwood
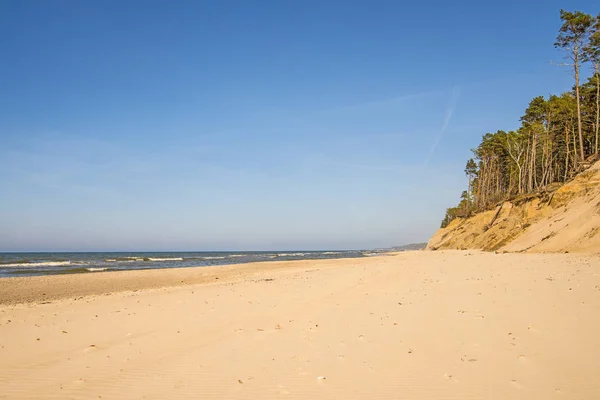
pixel 550 199
pixel 495 217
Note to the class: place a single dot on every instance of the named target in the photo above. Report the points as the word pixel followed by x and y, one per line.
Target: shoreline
pixel 45 288
pixel 60 263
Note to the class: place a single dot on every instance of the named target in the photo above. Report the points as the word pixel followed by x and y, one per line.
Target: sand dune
pixel 416 325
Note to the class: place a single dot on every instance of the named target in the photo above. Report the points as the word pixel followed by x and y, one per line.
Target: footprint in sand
pixel 516 384
pixel 90 348
pixel 283 389
pixel 451 378
pixel 79 381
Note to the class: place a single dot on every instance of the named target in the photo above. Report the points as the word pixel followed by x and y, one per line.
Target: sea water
pixel 29 264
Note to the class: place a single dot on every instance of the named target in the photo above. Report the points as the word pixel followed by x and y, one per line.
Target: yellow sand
pixel 418 325
pixel 567 220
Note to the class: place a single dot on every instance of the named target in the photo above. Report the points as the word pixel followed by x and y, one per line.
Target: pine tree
pixel 592 54
pixel 573 38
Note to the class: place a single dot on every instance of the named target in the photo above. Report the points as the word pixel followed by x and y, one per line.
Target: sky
pixel 255 125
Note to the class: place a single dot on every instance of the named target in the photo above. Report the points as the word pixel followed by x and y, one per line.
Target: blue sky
pixel 235 125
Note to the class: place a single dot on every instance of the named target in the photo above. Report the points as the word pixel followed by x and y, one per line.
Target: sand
pixel 564 220
pixel 415 325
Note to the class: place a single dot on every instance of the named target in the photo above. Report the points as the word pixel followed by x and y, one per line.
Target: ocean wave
pixel 332 252
pixel 213 258
pixel 37 264
pixel 291 254
pixel 96 269
pixel 239 255
pixel 138 259
pixel 15 261
pixel 370 254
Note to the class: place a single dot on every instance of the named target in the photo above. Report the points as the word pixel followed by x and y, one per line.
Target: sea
pixel 31 264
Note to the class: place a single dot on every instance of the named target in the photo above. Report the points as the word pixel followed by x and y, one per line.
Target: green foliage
pixel 592 47
pixel 575 30
pixel 451 214
pixel 471 168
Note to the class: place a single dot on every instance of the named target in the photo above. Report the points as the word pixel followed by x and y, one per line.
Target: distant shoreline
pixel 35 289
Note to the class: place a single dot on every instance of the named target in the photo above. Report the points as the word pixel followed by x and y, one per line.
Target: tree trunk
pixel 479 194
pixel 597 65
pixel 520 180
pixel 579 124
pixel 497 175
pixel 533 164
pixel 567 156
pixel 526 162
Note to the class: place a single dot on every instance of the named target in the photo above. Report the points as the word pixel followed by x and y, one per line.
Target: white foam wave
pixel 96 269
pixel 37 264
pixel 166 259
pixel 332 252
pixel 291 254
pixel 238 255
pixel 213 258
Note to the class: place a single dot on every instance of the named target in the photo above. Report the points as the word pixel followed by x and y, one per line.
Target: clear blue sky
pixel 217 125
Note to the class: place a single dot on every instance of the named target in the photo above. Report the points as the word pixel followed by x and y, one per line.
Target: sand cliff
pixel 566 219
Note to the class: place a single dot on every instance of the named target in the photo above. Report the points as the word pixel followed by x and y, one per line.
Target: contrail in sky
pixel 449 111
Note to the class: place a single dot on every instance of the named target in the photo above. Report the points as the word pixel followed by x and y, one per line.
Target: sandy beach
pixel 414 325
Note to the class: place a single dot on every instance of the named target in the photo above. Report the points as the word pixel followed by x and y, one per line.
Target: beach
pixel 409 325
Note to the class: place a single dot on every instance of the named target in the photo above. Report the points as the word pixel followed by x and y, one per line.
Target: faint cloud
pixel 196 148
pixel 386 102
pixel 452 104
pixel 322 160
